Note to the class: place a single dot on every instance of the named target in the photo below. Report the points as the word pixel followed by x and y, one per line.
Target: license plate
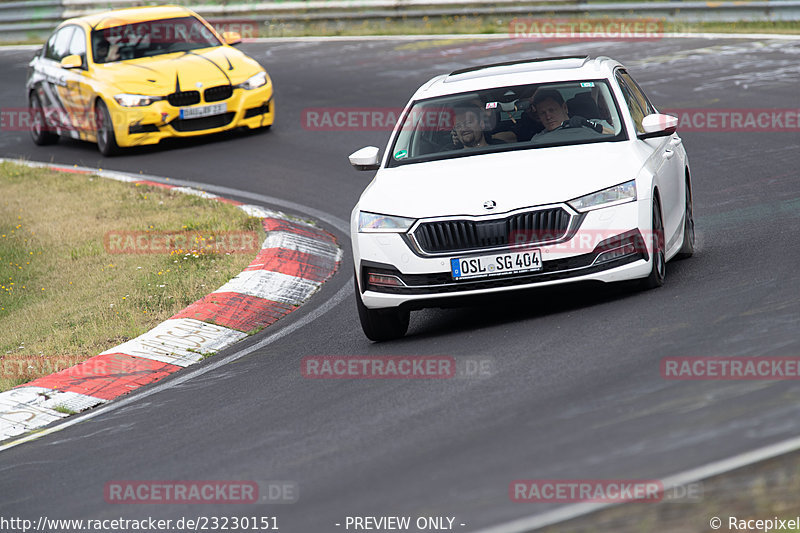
pixel 204 111
pixel 496 265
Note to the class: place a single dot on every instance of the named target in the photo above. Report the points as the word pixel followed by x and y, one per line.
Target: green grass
pixel 64 297
pixel 484 24
pixel 765 490
pixel 478 24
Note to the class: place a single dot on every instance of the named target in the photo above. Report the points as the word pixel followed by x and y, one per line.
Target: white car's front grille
pixel 520 228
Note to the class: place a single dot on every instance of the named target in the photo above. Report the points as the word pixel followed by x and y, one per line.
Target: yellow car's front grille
pixel 220 92
pixel 183 98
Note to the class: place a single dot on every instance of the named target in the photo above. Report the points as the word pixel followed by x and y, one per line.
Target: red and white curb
pixel 295 259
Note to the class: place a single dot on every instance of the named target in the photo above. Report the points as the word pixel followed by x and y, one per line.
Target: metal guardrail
pixel 33 16
pixel 34 19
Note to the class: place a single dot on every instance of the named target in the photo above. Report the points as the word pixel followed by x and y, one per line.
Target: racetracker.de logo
pixel 558 29
pixel 730 368
pixel 247 29
pixel 190 242
pixel 378 367
pixel 24 366
pixel 585 490
pixel 169 492
pixel 737 120
pixel 200 492
pixel 374 119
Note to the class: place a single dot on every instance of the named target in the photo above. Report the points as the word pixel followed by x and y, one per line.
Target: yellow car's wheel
pixel 40 131
pixel 106 140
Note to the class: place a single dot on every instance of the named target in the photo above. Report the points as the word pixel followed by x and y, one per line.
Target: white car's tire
pixel 687 249
pixel 658 270
pixel 381 324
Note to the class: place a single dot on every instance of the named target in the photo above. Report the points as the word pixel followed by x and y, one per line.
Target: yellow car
pixel 135 76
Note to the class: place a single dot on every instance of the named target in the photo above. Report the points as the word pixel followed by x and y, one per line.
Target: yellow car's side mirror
pixel 73 61
pixel 232 37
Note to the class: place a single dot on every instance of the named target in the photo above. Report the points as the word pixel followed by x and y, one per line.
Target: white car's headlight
pixel 618 194
pixel 254 82
pixel 136 100
pixel 374 223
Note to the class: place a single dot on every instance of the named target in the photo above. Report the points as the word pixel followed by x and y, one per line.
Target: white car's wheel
pixel 687 249
pixel 659 262
pixel 381 324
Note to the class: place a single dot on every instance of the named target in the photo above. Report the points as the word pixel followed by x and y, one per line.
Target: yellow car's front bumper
pixel 135 126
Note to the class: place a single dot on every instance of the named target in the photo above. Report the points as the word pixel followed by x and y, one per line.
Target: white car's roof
pixel 544 70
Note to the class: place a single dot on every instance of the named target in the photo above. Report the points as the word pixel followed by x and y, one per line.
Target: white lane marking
pixel 260 212
pixel 196 192
pixel 341 225
pixel 715 468
pixel 20 411
pixel 274 286
pixel 179 341
pixel 342 294
pixel 299 243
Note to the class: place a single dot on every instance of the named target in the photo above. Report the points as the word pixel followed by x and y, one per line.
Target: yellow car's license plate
pixel 204 111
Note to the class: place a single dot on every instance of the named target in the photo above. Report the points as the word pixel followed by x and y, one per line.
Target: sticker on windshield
pixel 491 105
pixel 401 154
pixel 587 84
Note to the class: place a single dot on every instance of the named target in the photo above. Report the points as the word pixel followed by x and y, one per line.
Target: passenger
pixel 470 128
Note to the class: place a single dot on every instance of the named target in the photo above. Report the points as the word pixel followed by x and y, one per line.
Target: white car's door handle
pixel 668 154
pixel 676 141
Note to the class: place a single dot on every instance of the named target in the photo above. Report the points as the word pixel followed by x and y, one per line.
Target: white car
pixel 517 175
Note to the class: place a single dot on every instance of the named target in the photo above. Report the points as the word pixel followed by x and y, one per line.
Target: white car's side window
pixel 637 113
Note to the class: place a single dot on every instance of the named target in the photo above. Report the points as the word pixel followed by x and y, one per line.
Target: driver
pixel 105 52
pixel 552 112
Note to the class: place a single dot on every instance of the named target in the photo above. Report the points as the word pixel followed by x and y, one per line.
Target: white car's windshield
pixel 508 118
pixel 150 38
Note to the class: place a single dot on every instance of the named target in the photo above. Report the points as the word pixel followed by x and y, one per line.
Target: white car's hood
pixel 516 179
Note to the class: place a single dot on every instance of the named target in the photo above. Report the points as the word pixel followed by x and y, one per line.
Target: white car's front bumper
pixel 427 279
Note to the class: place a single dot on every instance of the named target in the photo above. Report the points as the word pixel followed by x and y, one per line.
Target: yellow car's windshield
pixel 150 38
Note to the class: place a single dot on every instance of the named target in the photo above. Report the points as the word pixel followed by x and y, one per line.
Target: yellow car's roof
pixel 131 15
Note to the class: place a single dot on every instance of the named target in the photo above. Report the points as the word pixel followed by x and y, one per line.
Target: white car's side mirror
pixel 657 125
pixel 368 158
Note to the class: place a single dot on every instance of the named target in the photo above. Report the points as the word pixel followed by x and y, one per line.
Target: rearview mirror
pixel 232 37
pixel 73 61
pixel 368 158
pixel 657 125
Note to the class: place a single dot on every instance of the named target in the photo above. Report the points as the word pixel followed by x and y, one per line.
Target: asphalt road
pixel 575 390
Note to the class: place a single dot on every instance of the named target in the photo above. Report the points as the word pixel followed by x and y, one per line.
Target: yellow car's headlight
pixel 136 100
pixel 254 82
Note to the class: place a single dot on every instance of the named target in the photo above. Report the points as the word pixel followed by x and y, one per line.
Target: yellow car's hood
pixel 163 74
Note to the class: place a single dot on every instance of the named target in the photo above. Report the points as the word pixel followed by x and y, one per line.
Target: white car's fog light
pixel 384 280
pixel 616 253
